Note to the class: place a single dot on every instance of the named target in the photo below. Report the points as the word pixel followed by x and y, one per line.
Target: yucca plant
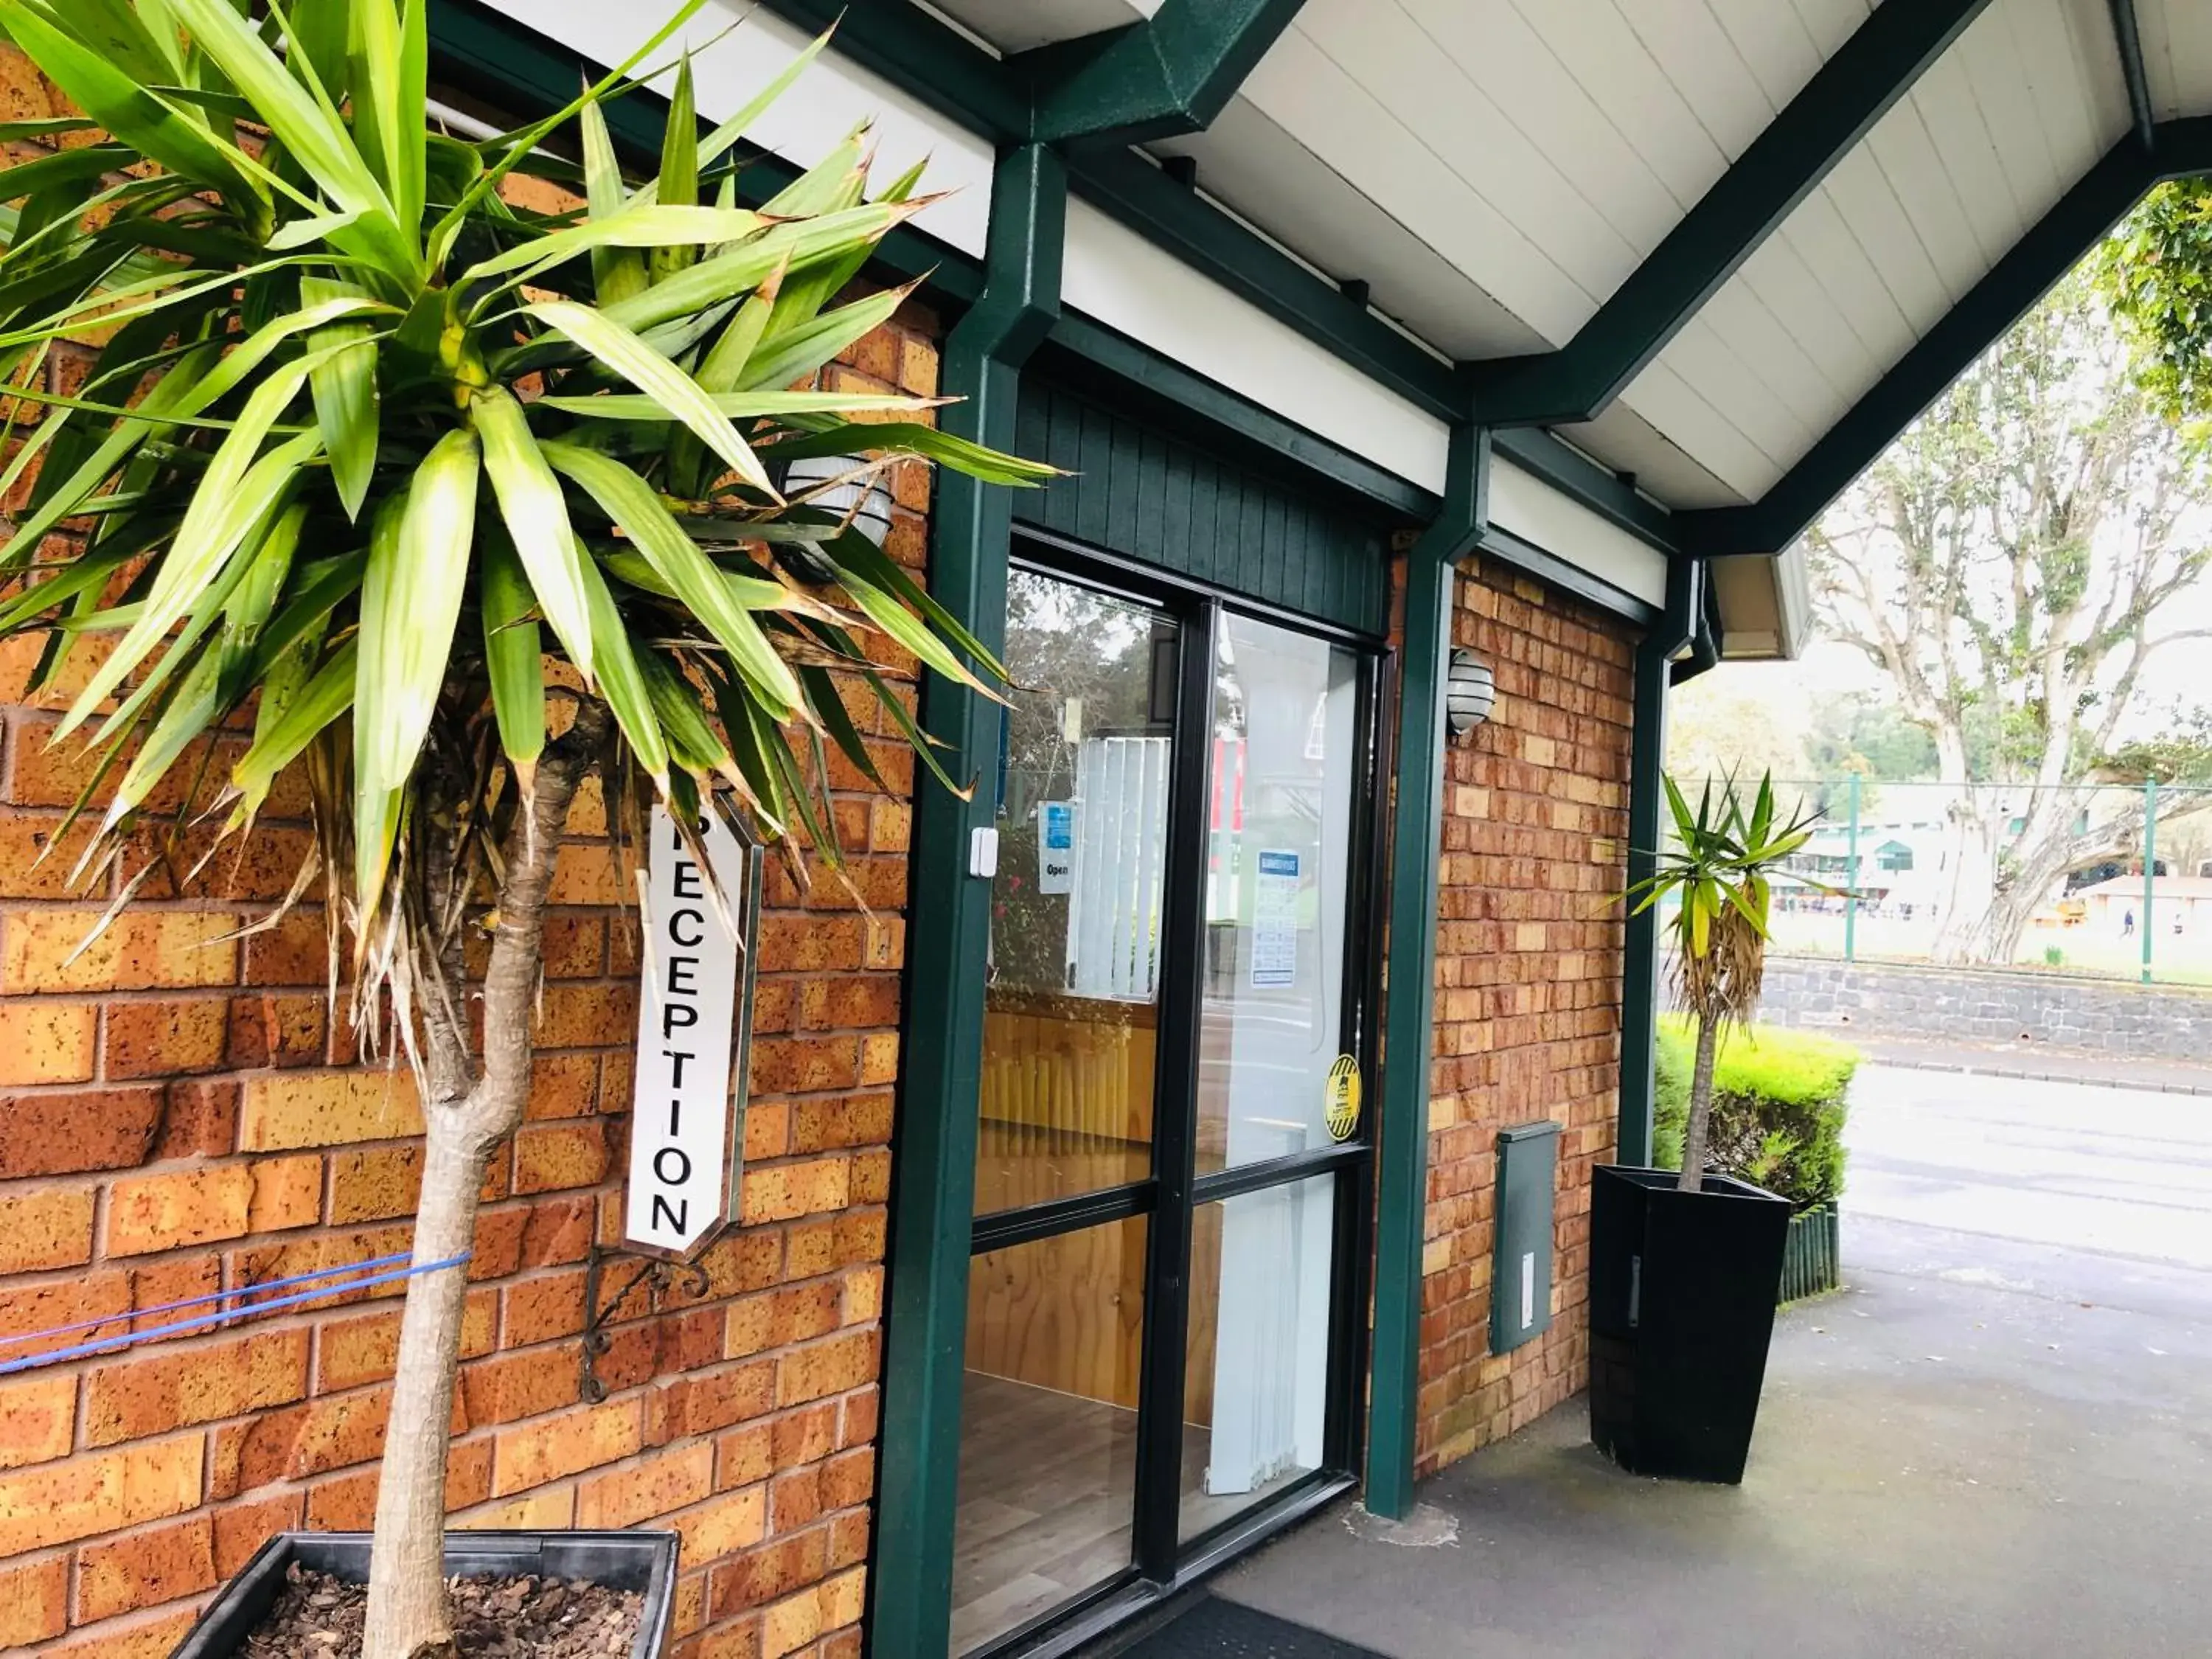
pixel 1719 871
pixel 454 504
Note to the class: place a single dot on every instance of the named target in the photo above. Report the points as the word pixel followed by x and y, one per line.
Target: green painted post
pixel 1640 973
pixel 2150 866
pixel 933 1175
pixel 1409 1022
pixel 1851 864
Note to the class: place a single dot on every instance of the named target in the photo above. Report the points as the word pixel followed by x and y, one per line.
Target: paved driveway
pixel 1998 1441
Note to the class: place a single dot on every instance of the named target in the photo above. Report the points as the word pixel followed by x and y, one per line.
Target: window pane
pixel 1048 1425
pixel 1068 1038
pixel 1286 723
pixel 1256 1386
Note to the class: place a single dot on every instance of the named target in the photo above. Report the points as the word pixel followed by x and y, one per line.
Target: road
pixel 1993 1444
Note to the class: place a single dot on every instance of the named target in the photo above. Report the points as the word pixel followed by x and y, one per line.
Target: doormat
pixel 1215 1629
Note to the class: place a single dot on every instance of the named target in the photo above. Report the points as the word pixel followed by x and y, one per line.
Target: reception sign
pixel 694 1023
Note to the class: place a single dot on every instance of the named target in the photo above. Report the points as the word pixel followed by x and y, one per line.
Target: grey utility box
pixel 1521 1263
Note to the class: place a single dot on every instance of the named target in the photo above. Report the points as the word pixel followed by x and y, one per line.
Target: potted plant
pixel 451 505
pixel 1684 1267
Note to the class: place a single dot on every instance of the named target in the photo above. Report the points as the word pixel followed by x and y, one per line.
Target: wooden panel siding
pixel 1133 492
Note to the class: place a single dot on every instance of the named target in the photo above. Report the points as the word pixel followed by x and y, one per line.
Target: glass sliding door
pixel 1171 1161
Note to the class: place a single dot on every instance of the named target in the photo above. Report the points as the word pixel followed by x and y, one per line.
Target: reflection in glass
pixel 1048 1425
pixel 1255 1384
pixel 1069 1032
pixel 1285 720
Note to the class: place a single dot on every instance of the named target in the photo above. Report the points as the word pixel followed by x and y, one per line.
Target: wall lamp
pixel 865 500
pixel 1470 690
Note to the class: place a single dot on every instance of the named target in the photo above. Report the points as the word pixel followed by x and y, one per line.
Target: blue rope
pixel 129 1339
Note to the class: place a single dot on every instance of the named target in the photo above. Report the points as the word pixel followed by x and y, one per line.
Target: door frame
pixel 1170 1195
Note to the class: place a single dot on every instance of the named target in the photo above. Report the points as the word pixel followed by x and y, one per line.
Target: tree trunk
pixel 408 1615
pixel 1701 1107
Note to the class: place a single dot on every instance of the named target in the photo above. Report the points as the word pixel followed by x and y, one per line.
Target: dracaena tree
pixel 1718 873
pixel 454 503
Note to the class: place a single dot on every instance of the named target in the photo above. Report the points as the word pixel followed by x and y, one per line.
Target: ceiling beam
pixel 2128 38
pixel 1850 93
pixel 1171 73
pixel 2056 242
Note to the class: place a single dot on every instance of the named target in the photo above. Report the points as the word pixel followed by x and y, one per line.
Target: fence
pixel 2112 879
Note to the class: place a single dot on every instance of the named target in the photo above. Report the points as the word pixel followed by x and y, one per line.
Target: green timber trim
pixel 1640 975
pixel 1854 89
pixel 1409 1008
pixel 1133 491
pixel 1525 555
pixel 2081 218
pixel 933 1164
pixel 1170 74
pixel 1574 475
pixel 2127 38
pixel 1181 401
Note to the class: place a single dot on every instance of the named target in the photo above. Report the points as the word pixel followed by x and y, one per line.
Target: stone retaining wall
pixel 1895 1000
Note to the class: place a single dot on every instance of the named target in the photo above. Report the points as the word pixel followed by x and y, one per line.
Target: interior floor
pixel 1046 1485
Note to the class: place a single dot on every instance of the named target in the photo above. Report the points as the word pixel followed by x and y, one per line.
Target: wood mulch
pixel 319 1617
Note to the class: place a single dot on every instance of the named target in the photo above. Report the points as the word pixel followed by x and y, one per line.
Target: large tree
pixel 2008 566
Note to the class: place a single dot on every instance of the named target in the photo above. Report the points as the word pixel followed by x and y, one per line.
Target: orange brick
pixel 519 1385
pixel 374 1183
pixel 825 1368
pixel 107 1492
pixel 201 1120
pixel 786 1190
pixel 63 1132
pixel 33 1601
pixel 243 1529
pixel 38 1420
pixel 790 1624
pixel 43 1042
pixel 45 1230
pixel 553 1157
pixel 153 1636
pixel 533 1455
pixel 776 1570
pixel 144 1570
pixel 366 1349
pixel 288 1109
pixel 722 1526
pixel 139 951
pixel 287 1192
pixel 131 1398
pixel 700 1405
pixel 184 1206
pixel 323 1435
pixel 651 1487
pixel 780 1318
pixel 163 1039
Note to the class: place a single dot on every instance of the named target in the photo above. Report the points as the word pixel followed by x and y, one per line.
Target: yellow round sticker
pixel 1342 1110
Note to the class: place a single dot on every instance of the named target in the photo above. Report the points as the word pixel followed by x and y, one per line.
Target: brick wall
pixel 180 1115
pixel 1528 988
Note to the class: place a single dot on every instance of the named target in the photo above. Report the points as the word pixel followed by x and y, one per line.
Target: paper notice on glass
pixel 1275 922
pixel 1055 847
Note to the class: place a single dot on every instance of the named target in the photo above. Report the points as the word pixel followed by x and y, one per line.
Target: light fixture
pixel 864 500
pixel 1469 691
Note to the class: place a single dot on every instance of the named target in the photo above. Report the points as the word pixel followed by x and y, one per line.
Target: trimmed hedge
pixel 1779 1101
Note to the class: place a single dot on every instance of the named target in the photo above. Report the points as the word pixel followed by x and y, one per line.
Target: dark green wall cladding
pixel 1134 492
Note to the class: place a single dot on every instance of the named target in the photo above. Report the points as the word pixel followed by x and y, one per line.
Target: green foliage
pixel 2182 755
pixel 1780 1098
pixel 2158 269
pixel 360 437
pixel 1719 870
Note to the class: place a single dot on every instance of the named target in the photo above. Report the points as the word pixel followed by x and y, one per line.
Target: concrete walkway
pixel 1998 1441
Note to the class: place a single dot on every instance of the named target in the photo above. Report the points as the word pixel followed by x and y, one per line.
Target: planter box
pixel 643 1561
pixel 1682 1295
pixel 1812 1258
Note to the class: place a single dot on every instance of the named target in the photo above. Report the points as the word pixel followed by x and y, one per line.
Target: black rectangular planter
pixel 1682 1293
pixel 643 1561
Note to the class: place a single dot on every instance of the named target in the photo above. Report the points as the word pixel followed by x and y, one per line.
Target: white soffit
pixel 1114 276
pixel 2177 41
pixel 2023 104
pixel 1013 26
pixel 1524 504
pixel 834 96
